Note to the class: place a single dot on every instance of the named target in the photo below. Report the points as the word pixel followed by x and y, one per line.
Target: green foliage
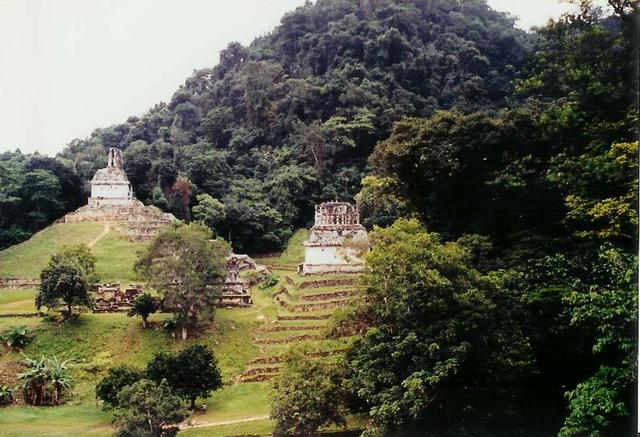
pixel 306 395
pixel 6 395
pixel 146 408
pixel 269 281
pixel 183 264
pixel 16 337
pixel 116 379
pixel 596 402
pixel 144 305
pixel 67 279
pixel 443 370
pixel 45 380
pixel 35 191
pixel 191 373
pixel 209 211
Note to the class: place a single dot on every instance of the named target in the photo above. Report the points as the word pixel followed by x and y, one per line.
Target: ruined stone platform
pixel 137 221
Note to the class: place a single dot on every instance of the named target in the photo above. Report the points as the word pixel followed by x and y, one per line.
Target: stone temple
pixel 112 200
pixel 110 185
pixel 336 240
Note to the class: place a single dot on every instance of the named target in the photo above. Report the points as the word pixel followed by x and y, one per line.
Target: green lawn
pixel 116 256
pixel 17 301
pixel 29 257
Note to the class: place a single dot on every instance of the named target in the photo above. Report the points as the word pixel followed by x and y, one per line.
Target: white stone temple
pixel 110 185
pixel 336 241
pixel 112 200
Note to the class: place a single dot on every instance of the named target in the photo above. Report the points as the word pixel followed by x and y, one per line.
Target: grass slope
pixel 115 253
pixel 29 257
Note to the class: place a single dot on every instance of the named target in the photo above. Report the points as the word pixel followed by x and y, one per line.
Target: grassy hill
pixel 114 252
pixel 248 342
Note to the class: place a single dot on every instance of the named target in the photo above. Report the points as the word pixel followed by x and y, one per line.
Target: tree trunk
pixel 144 322
pixel 193 404
pixel 184 333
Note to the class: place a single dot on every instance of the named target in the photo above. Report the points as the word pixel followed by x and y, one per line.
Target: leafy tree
pixel 209 211
pixel 144 305
pixel 306 395
pixel 116 379
pixel 184 265
pixel 147 408
pixel 454 370
pixel 191 373
pixel 66 279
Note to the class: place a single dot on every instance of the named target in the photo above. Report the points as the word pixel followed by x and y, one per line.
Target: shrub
pixel 269 281
pixel 117 378
pixel 16 337
pixel 6 395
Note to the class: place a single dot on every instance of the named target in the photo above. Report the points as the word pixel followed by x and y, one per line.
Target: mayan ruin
pixel 335 241
pixel 112 200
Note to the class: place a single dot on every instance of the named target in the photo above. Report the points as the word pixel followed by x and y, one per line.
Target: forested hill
pixel 290 120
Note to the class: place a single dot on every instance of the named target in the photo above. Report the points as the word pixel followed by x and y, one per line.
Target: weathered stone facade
pixel 109 298
pixel 336 240
pixel 112 200
pixel 110 185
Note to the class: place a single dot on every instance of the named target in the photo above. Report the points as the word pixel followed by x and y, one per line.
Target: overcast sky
pixel 70 66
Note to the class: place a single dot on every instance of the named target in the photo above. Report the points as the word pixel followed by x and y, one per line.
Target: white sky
pixel 70 66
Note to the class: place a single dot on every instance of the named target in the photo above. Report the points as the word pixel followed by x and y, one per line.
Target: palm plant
pixel 44 381
pixel 59 378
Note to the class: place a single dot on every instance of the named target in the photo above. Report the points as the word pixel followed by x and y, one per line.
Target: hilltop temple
pixel 336 240
pixel 112 200
pixel 110 185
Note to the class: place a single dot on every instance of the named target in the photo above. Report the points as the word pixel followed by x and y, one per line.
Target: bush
pixel 6 395
pixel 16 337
pixel 117 378
pixel 269 281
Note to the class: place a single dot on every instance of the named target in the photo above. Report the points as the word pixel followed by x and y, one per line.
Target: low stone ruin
pixel 235 290
pixel 18 283
pixel 109 298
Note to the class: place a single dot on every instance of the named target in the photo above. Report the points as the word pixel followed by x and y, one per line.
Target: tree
pixel 144 305
pixel 147 409
pixel 209 211
pixel 116 379
pixel 191 373
pixel 457 347
pixel 66 279
pixel 306 395
pixel 185 266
